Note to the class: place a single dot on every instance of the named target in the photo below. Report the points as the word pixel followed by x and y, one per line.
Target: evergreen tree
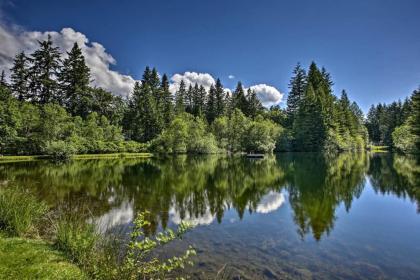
pixel 19 77
pixel 196 100
pixel 43 72
pixel 180 97
pixel 3 79
pixel 220 99
pixel 189 100
pixel 143 123
pixel 239 99
pixel 154 80
pixel 167 106
pixel 309 127
pixel 5 92
pixel 211 105
pixel 254 104
pixel 74 81
pixel 297 87
pixel 414 119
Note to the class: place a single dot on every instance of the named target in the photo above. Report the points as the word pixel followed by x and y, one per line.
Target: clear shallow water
pixel 290 216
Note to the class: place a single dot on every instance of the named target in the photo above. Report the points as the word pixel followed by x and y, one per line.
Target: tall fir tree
pixel 167 101
pixel 189 99
pixel 43 72
pixel 297 87
pixel 239 98
pixel 142 121
pixel 414 119
pixel 74 81
pixel 19 77
pixel 180 96
pixel 211 105
pixel 254 104
pixel 220 99
pixel 309 127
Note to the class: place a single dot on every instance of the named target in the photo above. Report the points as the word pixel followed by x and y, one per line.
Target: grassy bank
pixel 37 242
pixel 34 259
pixel 5 159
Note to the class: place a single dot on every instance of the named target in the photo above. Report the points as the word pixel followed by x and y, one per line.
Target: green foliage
pixel 297 87
pixel 318 119
pixel 138 262
pixel 43 73
pixel 382 119
pixel 186 134
pixel 242 134
pixel 20 211
pixel 59 150
pixel 404 140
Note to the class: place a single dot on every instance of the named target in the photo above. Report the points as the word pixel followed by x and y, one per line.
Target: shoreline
pixel 6 159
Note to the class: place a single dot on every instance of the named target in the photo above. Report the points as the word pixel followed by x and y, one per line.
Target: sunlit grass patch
pixel 34 259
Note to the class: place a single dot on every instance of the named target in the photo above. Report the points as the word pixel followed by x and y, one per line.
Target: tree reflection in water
pixel 202 188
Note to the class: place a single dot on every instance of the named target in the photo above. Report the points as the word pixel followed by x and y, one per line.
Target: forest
pixel 48 106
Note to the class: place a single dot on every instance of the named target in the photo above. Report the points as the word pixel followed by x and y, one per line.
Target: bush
pixel 185 134
pixel 20 211
pixel 59 150
pixel 404 140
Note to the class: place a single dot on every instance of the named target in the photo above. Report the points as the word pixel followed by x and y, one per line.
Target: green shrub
pixel 76 238
pixel 59 150
pixel 404 140
pixel 20 211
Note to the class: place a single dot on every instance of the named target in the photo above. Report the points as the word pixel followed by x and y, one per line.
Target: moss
pixel 34 259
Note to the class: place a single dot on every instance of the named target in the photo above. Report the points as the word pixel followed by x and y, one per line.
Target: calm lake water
pixel 289 216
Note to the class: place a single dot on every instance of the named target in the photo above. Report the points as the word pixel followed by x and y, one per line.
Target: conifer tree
pixel 254 104
pixel 211 105
pixel 74 81
pixel 220 99
pixel 167 106
pixel 43 72
pixel 414 119
pixel 239 99
pixel 19 77
pixel 309 126
pixel 180 96
pixel 196 100
pixel 189 100
pixel 297 87
pixel 3 79
pixel 143 122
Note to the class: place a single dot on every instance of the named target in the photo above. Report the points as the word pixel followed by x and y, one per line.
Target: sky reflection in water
pixel 288 216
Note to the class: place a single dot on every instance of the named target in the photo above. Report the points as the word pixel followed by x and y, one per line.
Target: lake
pixel 287 216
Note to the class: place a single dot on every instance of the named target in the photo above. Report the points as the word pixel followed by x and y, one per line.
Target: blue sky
pixel 371 48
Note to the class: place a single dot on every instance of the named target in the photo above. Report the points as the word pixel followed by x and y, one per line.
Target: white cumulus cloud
pixel 190 78
pixel 14 40
pixel 231 77
pixel 268 95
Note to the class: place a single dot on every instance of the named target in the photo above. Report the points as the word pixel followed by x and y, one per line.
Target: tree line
pixel 49 106
pixel 396 125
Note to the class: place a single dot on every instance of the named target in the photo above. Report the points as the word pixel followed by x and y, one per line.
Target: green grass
pixel 34 259
pixel 20 211
pixel 4 159
pixel 8 159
